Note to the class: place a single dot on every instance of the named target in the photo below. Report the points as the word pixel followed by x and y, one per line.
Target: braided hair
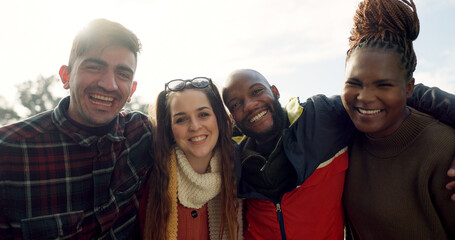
pixel 387 24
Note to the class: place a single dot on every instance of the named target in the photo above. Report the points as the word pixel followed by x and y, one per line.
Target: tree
pixel 37 96
pixel 7 114
pixel 137 104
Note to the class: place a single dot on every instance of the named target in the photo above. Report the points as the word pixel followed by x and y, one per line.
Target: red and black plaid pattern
pixel 58 181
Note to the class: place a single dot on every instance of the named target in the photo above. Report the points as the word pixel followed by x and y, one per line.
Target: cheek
pixel 125 87
pixel 397 98
pixel 346 96
pixel 237 117
pixel 178 132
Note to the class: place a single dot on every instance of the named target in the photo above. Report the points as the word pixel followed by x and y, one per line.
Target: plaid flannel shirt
pixel 59 182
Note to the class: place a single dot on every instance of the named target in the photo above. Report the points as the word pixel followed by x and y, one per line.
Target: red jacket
pixel 311 211
pixel 316 145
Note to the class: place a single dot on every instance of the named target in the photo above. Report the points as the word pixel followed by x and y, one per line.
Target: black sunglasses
pixel 180 84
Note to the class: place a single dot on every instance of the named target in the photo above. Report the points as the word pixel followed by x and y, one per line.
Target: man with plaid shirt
pixel 74 172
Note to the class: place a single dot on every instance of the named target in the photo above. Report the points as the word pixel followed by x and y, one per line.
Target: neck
pixel 280 123
pixel 270 140
pixel 199 165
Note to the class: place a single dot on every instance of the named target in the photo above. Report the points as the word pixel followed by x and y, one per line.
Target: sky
pixel 298 45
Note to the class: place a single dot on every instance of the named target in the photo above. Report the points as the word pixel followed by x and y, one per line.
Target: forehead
pixel 374 61
pixel 188 101
pixel 240 84
pixel 112 55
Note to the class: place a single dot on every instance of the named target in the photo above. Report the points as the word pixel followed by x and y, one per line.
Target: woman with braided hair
pixel 394 184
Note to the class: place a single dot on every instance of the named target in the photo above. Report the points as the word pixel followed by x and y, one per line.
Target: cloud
pixel 438 71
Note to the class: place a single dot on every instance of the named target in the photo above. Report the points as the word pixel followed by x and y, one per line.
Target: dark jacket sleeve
pixel 322 130
pixel 237 163
pixel 435 102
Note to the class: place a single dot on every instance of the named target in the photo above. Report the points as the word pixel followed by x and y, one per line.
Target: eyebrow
pixel 124 68
pixel 383 80
pixel 254 85
pixel 183 113
pixel 353 79
pixel 386 80
pixel 101 62
pixel 94 60
pixel 231 100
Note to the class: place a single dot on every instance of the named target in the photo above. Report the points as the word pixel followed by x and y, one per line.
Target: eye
pixel 257 91
pixel 385 85
pixel 180 120
pixel 353 83
pixel 234 106
pixel 93 67
pixel 204 114
pixel 125 75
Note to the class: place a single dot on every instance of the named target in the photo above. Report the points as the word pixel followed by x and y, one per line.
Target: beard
pixel 278 116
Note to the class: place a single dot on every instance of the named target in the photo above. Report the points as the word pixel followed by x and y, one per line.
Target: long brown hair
pixel 158 206
pixel 387 24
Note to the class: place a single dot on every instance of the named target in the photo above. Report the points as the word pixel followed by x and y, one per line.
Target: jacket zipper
pixel 280 220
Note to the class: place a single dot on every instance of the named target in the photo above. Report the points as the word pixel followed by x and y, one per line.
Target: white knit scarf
pixel 208 187
pixel 195 189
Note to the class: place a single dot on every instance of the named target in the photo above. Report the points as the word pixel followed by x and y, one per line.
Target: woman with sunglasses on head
pixel 192 187
pixel 394 184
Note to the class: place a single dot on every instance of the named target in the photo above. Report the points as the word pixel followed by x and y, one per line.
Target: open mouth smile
pixel 101 100
pixel 368 111
pixel 258 116
pixel 198 138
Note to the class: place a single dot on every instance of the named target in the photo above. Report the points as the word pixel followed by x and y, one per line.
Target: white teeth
pixel 365 111
pixel 102 98
pixel 197 139
pixel 107 103
pixel 102 103
pixel 257 117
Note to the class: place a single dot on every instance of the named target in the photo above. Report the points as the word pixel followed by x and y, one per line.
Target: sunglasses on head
pixel 180 84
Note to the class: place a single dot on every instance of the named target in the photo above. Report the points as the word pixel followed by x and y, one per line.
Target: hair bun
pixel 387 20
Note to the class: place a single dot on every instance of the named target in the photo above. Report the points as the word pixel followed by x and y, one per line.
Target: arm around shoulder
pixel 435 102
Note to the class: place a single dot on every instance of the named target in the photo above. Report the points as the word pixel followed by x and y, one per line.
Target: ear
pixel 64 76
pixel 275 91
pixel 133 89
pixel 409 87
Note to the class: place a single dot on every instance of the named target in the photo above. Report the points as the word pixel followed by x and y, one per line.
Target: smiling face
pixel 193 124
pixel 254 105
pixel 100 83
pixel 375 91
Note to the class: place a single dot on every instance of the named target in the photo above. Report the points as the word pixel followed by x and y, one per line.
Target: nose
pixel 108 81
pixel 365 95
pixel 194 124
pixel 248 104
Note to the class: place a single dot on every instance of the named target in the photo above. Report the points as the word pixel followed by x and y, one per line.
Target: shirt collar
pixel 81 136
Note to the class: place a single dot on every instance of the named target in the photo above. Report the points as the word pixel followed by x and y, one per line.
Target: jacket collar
pixel 293 109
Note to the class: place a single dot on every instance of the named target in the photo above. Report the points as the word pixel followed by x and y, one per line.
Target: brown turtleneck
pixel 394 186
